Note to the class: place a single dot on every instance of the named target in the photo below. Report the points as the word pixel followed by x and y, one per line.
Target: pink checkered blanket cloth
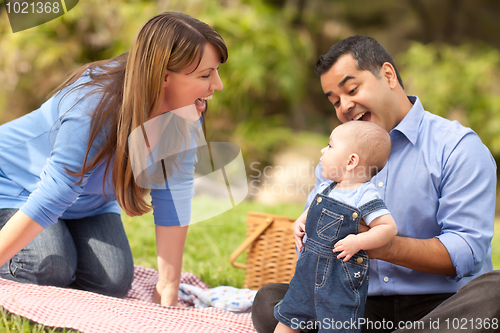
pixel 90 312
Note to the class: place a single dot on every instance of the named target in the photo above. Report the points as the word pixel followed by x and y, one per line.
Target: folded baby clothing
pixel 223 297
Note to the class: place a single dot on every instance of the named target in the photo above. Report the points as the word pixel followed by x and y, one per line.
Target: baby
pixel 328 290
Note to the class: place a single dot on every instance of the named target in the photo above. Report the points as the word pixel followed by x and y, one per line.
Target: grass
pixel 209 243
pixel 208 246
pixel 14 323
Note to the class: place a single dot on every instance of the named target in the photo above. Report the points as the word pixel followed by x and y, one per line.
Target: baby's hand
pixel 299 230
pixel 347 247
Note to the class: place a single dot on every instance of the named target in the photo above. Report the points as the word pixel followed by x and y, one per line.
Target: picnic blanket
pixel 91 312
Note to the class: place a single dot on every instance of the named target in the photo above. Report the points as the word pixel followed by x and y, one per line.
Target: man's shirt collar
pixel 410 124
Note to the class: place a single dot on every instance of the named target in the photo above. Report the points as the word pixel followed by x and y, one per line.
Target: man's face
pixel 359 95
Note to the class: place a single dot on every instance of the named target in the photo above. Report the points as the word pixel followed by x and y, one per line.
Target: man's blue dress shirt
pixel 440 181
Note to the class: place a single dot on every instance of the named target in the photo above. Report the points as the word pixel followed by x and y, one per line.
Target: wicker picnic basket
pixel 270 246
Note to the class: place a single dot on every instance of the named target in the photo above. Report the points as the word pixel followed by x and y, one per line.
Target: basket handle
pixel 247 242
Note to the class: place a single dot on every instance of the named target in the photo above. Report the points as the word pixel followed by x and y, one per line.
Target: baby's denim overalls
pixel 324 289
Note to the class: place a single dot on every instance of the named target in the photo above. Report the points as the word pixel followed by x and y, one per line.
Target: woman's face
pixel 192 88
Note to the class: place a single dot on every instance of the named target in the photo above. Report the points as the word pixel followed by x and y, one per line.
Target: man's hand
pixel 347 247
pixel 299 230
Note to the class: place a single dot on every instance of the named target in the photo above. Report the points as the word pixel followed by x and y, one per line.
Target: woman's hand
pixel 169 248
pixel 165 295
pixel 18 232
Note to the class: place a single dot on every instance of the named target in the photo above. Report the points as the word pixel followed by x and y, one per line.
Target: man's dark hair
pixel 367 52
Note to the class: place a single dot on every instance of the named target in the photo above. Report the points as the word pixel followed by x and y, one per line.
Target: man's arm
pixel 466 198
pixel 426 255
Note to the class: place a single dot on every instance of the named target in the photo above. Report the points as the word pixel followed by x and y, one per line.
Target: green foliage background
pixel 270 89
pixel 266 74
pixel 460 83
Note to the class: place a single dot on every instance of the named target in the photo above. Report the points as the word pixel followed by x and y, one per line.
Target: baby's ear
pixel 353 161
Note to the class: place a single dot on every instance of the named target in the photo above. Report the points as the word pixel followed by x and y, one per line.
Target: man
pixel 439 185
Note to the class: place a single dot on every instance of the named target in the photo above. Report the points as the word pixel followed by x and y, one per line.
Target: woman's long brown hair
pixel 130 88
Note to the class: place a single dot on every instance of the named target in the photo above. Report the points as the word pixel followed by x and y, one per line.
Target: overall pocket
pixel 356 270
pixel 329 224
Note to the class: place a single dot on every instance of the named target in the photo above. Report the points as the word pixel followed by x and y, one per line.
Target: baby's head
pixel 358 149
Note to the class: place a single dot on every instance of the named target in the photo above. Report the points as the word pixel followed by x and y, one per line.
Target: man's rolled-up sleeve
pixel 467 204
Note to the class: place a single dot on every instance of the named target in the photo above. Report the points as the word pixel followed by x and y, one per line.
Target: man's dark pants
pixel 475 304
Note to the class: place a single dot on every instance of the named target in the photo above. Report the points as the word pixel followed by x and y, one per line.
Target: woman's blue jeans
pixel 90 254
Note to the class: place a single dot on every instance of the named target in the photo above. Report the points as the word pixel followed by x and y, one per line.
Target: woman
pixel 65 171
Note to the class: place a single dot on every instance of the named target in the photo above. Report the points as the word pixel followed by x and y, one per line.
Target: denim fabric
pixel 325 290
pixel 91 254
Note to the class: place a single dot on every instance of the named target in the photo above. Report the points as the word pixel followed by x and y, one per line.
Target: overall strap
pixel 371 206
pixel 330 187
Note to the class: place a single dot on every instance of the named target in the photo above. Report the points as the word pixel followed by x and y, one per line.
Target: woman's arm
pixel 18 232
pixel 170 248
